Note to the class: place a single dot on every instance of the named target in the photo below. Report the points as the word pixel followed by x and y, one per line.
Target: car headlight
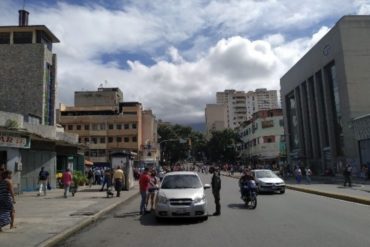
pixel 162 199
pixel 199 199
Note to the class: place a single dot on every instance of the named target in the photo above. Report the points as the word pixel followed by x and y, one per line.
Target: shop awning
pixel 89 163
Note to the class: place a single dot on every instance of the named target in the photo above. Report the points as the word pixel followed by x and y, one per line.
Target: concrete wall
pixel 22 78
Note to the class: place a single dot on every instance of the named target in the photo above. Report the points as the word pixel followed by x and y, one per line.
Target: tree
pixel 221 146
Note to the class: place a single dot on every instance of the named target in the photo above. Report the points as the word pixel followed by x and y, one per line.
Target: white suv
pixel 181 194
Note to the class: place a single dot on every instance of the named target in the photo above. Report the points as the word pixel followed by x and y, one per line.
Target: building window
pixel 267 124
pixel 134 139
pixel 79 140
pixel 94 140
pixel 134 125
pixel 110 126
pixel 78 127
pixel 102 139
pixel 118 126
pixel 87 139
pixel 70 127
pixel 126 139
pixel 118 139
pixel 281 122
pixel 102 126
pixel 87 127
pixel 5 38
pixel 22 37
pixel 110 139
pixel 94 126
pixel 127 126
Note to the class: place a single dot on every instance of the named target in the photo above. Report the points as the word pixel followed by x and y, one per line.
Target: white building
pixel 263 138
pixel 241 105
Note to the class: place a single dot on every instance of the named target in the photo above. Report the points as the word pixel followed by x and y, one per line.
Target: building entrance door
pixel 3 158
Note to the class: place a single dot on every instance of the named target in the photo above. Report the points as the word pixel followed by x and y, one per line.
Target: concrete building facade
pixel 216 118
pixel 28 71
pixel 324 92
pixel 260 99
pixel 263 138
pixel 107 125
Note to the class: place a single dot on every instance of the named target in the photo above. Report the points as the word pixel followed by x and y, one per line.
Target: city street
pixel 291 219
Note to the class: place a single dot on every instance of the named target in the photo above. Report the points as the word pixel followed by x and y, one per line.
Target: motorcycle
pixel 249 194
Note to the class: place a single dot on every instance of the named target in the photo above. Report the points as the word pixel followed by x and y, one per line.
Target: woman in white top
pixel 153 186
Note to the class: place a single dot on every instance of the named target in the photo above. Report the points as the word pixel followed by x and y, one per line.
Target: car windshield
pixel 181 182
pixel 265 174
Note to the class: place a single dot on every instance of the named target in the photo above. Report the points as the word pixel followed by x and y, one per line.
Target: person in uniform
pixel 216 187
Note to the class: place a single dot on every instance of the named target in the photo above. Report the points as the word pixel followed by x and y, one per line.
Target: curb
pixel 82 224
pixel 356 199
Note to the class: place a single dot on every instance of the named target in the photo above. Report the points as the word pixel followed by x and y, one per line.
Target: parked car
pixel 181 194
pixel 268 181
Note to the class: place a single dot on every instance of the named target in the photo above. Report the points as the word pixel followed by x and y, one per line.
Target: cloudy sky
pixel 174 55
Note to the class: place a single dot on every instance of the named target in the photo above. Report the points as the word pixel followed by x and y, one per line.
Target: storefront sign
pixel 13 140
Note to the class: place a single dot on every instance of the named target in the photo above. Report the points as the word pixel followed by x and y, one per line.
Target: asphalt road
pixel 291 219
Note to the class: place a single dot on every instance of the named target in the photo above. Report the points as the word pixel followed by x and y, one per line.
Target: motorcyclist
pixel 245 179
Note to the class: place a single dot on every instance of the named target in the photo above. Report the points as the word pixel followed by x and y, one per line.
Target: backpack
pixel 43 175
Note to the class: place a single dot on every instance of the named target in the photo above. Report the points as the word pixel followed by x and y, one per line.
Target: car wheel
pixel 205 218
pixel 159 219
pixel 282 191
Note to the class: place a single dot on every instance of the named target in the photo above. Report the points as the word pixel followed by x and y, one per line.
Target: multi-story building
pixel 149 147
pixel 324 92
pixel 29 138
pixel 261 99
pixel 263 138
pixel 216 118
pixel 241 105
pixel 28 62
pixel 106 124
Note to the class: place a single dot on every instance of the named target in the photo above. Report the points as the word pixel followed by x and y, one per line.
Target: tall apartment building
pixel 106 124
pixel 149 147
pixel 28 71
pixel 241 106
pixel 261 99
pixel 325 93
pixel 216 118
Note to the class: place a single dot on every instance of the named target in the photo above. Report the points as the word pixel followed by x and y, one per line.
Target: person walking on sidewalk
pixel 107 180
pixel 67 179
pixel 298 174
pixel 308 173
pixel 7 200
pixel 216 187
pixel 144 181
pixel 347 175
pixel 119 179
pixel 43 181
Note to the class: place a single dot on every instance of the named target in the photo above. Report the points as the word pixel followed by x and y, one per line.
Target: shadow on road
pixel 150 220
pixel 237 206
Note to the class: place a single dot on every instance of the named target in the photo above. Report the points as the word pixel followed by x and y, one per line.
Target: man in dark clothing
pixel 347 175
pixel 216 187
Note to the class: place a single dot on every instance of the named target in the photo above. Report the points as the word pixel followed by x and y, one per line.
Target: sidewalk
pixel 45 220
pixel 330 187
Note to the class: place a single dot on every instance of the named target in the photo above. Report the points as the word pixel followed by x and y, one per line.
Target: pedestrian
pixel 43 181
pixel 2 169
pixel 119 179
pixel 7 200
pixel 90 177
pixel 308 173
pixel 216 187
pixel 298 174
pixel 144 186
pixel 67 179
pixel 153 186
pixel 97 176
pixel 347 175
pixel 107 179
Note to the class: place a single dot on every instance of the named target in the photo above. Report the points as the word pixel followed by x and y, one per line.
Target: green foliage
pixel 221 146
pixel 79 178
pixel 11 124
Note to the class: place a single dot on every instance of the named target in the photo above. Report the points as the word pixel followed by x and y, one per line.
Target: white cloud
pixel 200 47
